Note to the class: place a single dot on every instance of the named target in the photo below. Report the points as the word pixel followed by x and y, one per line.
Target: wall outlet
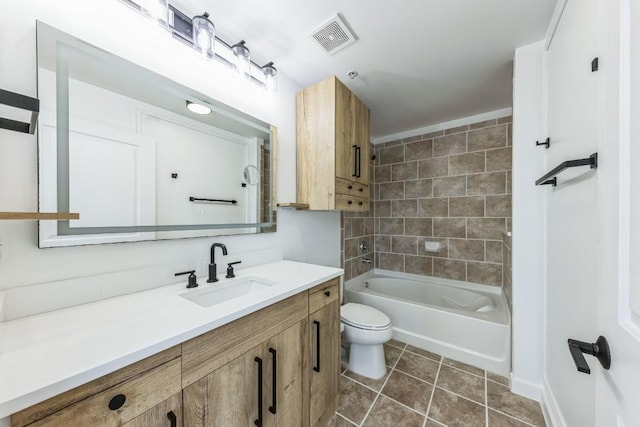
pixel 431 246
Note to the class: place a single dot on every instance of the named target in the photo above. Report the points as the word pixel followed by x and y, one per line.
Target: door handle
pixel 258 422
pixel 598 349
pixel 274 382
pixel 317 367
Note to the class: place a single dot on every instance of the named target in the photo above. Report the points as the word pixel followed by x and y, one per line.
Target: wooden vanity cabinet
pixel 146 388
pixel 333 128
pixel 324 335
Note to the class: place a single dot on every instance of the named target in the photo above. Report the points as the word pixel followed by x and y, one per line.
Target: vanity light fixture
pixel 270 81
pixel 199 33
pixel 198 108
pixel 204 35
pixel 242 60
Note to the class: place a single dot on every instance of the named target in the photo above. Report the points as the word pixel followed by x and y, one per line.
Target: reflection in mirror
pixel 141 157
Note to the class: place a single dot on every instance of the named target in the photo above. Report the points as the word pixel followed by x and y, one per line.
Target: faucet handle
pixel 230 273
pixel 193 281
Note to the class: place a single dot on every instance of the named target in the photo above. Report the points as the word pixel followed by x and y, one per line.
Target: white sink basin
pixel 212 294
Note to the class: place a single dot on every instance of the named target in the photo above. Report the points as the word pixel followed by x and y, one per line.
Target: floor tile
pixel 463 366
pixel 500 398
pixel 391 354
pixel 374 384
pixel 408 391
pixel 462 383
pixel 338 421
pixel 433 423
pixel 425 353
pixel 355 400
pixel 456 411
pixel 418 366
pixel 497 419
pixel 397 344
pixel 387 413
pixel 498 378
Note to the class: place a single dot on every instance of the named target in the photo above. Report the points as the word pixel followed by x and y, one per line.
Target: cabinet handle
pixel 360 203
pixel 350 187
pixel 355 161
pixel 327 293
pixel 349 202
pixel 361 189
pixel 173 420
pixel 317 367
pixel 274 385
pixel 117 401
pixel 359 160
pixel 258 422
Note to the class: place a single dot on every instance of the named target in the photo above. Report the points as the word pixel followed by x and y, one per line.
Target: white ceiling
pixel 420 62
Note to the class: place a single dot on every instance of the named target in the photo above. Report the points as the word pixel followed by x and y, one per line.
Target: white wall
pixel 44 279
pixel 528 222
pixel 571 212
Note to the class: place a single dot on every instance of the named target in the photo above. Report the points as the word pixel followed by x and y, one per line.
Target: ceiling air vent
pixel 334 35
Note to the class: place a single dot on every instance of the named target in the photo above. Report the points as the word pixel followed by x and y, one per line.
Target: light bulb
pixel 203 35
pixel 242 61
pixel 270 80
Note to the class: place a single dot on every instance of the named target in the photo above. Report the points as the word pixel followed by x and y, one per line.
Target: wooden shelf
pixel 38 215
pixel 297 206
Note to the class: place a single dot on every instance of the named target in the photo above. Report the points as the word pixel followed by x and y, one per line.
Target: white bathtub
pixel 463 321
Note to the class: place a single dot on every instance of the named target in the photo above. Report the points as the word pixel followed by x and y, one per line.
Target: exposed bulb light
pixel 198 108
pixel 242 61
pixel 204 35
pixel 270 80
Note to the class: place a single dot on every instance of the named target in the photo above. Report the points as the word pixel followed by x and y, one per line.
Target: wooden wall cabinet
pixel 277 367
pixel 333 128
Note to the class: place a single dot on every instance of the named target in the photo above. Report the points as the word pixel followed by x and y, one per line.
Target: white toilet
pixel 365 330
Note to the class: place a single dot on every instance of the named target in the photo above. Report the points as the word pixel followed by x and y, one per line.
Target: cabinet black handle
pixel 355 161
pixel 173 420
pixel 360 203
pixel 117 401
pixel 258 422
pixel 317 367
pixel 274 385
pixel 359 159
pixel 327 293
pixel 349 202
pixel 350 187
pixel 361 190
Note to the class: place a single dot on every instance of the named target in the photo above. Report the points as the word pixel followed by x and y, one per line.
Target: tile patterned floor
pixel 424 389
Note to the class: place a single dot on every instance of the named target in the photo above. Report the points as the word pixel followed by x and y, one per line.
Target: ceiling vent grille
pixel 334 35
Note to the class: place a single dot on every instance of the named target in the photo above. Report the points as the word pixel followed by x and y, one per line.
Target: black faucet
pixel 212 265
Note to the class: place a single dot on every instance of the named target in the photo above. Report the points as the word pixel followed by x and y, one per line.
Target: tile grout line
pixel 512 417
pixel 433 392
pixel 382 387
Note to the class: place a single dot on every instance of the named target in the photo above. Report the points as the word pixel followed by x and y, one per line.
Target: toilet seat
pixel 364 317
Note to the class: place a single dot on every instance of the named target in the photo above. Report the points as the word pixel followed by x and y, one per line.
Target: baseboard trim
pixel 550 408
pixel 526 388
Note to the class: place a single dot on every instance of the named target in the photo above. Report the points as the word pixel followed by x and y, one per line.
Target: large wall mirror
pixel 117 143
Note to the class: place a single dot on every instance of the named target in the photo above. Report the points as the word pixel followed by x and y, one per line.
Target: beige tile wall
pixel 451 187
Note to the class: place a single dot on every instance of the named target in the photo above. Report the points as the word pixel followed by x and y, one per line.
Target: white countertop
pixel 47 354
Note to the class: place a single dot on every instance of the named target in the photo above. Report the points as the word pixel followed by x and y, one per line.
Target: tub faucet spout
pixel 366 260
pixel 212 264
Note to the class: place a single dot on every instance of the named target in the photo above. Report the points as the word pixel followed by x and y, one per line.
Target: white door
pixel 618 389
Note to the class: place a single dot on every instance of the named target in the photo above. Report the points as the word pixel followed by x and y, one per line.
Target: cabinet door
pixel 344 128
pixel 361 138
pixel 286 396
pixel 228 396
pixel 165 414
pixel 324 326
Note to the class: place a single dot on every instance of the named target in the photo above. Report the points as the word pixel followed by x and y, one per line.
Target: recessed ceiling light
pixel 198 108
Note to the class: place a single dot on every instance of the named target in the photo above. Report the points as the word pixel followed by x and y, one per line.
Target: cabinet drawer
pixel 85 391
pixel 123 402
pixel 324 294
pixel 351 203
pixel 344 186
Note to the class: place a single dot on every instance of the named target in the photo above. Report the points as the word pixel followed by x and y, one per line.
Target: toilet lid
pixel 364 317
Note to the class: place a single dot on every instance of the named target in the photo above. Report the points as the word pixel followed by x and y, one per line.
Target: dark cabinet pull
pixel 361 190
pixel 258 422
pixel 350 187
pixel 117 401
pixel 360 203
pixel 317 367
pixel 274 385
pixel 349 202
pixel 359 160
pixel 355 161
pixel 173 420
pixel 327 293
